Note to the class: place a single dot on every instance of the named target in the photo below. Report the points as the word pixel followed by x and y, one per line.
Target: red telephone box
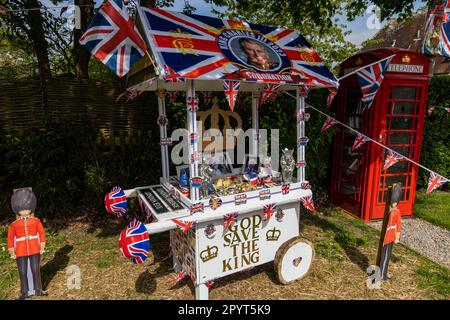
pixel 396 119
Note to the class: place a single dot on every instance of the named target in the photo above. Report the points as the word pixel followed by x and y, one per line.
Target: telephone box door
pixel 401 119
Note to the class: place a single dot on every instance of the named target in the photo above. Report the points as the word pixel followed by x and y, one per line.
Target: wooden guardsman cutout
pixel 26 243
pixel 391 230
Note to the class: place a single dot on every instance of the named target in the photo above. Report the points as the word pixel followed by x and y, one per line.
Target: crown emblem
pixel 359 61
pixel 406 59
pixel 209 253
pixel 273 234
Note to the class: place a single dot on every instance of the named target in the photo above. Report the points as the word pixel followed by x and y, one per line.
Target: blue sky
pixel 359 29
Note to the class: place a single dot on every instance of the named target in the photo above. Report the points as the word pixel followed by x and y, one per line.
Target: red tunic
pixel 393 227
pixel 25 236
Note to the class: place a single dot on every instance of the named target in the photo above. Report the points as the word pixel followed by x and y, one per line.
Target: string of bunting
pixel 435 180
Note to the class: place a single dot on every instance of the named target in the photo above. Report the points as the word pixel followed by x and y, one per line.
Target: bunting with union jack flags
pixel 113 38
pixel 435 181
pixel 370 79
pixel 207 48
pixel 392 158
pixel 231 89
pixel 328 124
pixel 359 141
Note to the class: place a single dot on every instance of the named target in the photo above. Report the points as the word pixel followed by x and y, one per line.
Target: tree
pixel 81 55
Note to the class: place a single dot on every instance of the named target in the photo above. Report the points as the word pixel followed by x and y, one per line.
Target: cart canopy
pixel 188 46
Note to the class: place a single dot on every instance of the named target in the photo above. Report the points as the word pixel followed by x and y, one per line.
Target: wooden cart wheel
pixel 293 260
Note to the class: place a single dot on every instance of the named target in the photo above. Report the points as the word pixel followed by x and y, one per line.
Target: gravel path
pixel 426 238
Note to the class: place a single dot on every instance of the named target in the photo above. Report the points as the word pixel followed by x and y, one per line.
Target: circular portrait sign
pixel 253 51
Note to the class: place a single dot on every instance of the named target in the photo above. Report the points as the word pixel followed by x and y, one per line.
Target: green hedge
pixel 68 168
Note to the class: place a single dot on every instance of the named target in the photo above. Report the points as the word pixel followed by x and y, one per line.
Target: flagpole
pixel 368 138
pixel 354 71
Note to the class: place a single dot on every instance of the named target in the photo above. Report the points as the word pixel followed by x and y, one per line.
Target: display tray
pixel 156 201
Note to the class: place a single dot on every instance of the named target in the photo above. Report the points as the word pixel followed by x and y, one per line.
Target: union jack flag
pixel 269 90
pixel 192 103
pixel 197 207
pixel 209 283
pixel 197 47
pixel 228 220
pixel 391 159
pixel 113 38
pixel 207 98
pixel 328 124
pixel 172 95
pixel 370 79
pixel 171 76
pixel 438 18
pixel 269 210
pixel 330 98
pixel 116 202
pixel 308 203
pixel 183 225
pixel 359 141
pixel 435 181
pixel 231 89
pixel 134 242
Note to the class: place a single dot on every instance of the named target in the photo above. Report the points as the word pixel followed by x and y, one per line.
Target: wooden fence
pixel 78 100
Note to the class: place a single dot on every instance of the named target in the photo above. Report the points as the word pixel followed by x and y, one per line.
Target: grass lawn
pixel 344 247
pixel 434 207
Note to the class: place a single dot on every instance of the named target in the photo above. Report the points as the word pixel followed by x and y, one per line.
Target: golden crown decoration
pixel 209 253
pixel 406 59
pixel 273 234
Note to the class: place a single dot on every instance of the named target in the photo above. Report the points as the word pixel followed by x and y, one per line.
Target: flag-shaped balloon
pixel 231 90
pixel 113 38
pixel 134 242
pixel 370 79
pixel 269 90
pixel 359 141
pixel 308 203
pixel 116 202
pixel 391 159
pixel 328 124
pixel 435 181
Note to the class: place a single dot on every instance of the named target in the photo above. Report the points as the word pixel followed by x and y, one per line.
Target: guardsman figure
pixel 392 230
pixel 26 242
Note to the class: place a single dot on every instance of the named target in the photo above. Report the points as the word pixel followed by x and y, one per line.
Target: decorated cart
pixel 224 218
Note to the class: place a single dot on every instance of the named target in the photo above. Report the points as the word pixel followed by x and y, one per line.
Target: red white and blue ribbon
pixel 228 220
pixel 231 90
pixel 359 141
pixel 391 159
pixel 435 181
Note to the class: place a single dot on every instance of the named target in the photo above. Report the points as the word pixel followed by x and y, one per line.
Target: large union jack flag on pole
pixel 113 38
pixel 437 30
pixel 206 48
pixel 370 79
